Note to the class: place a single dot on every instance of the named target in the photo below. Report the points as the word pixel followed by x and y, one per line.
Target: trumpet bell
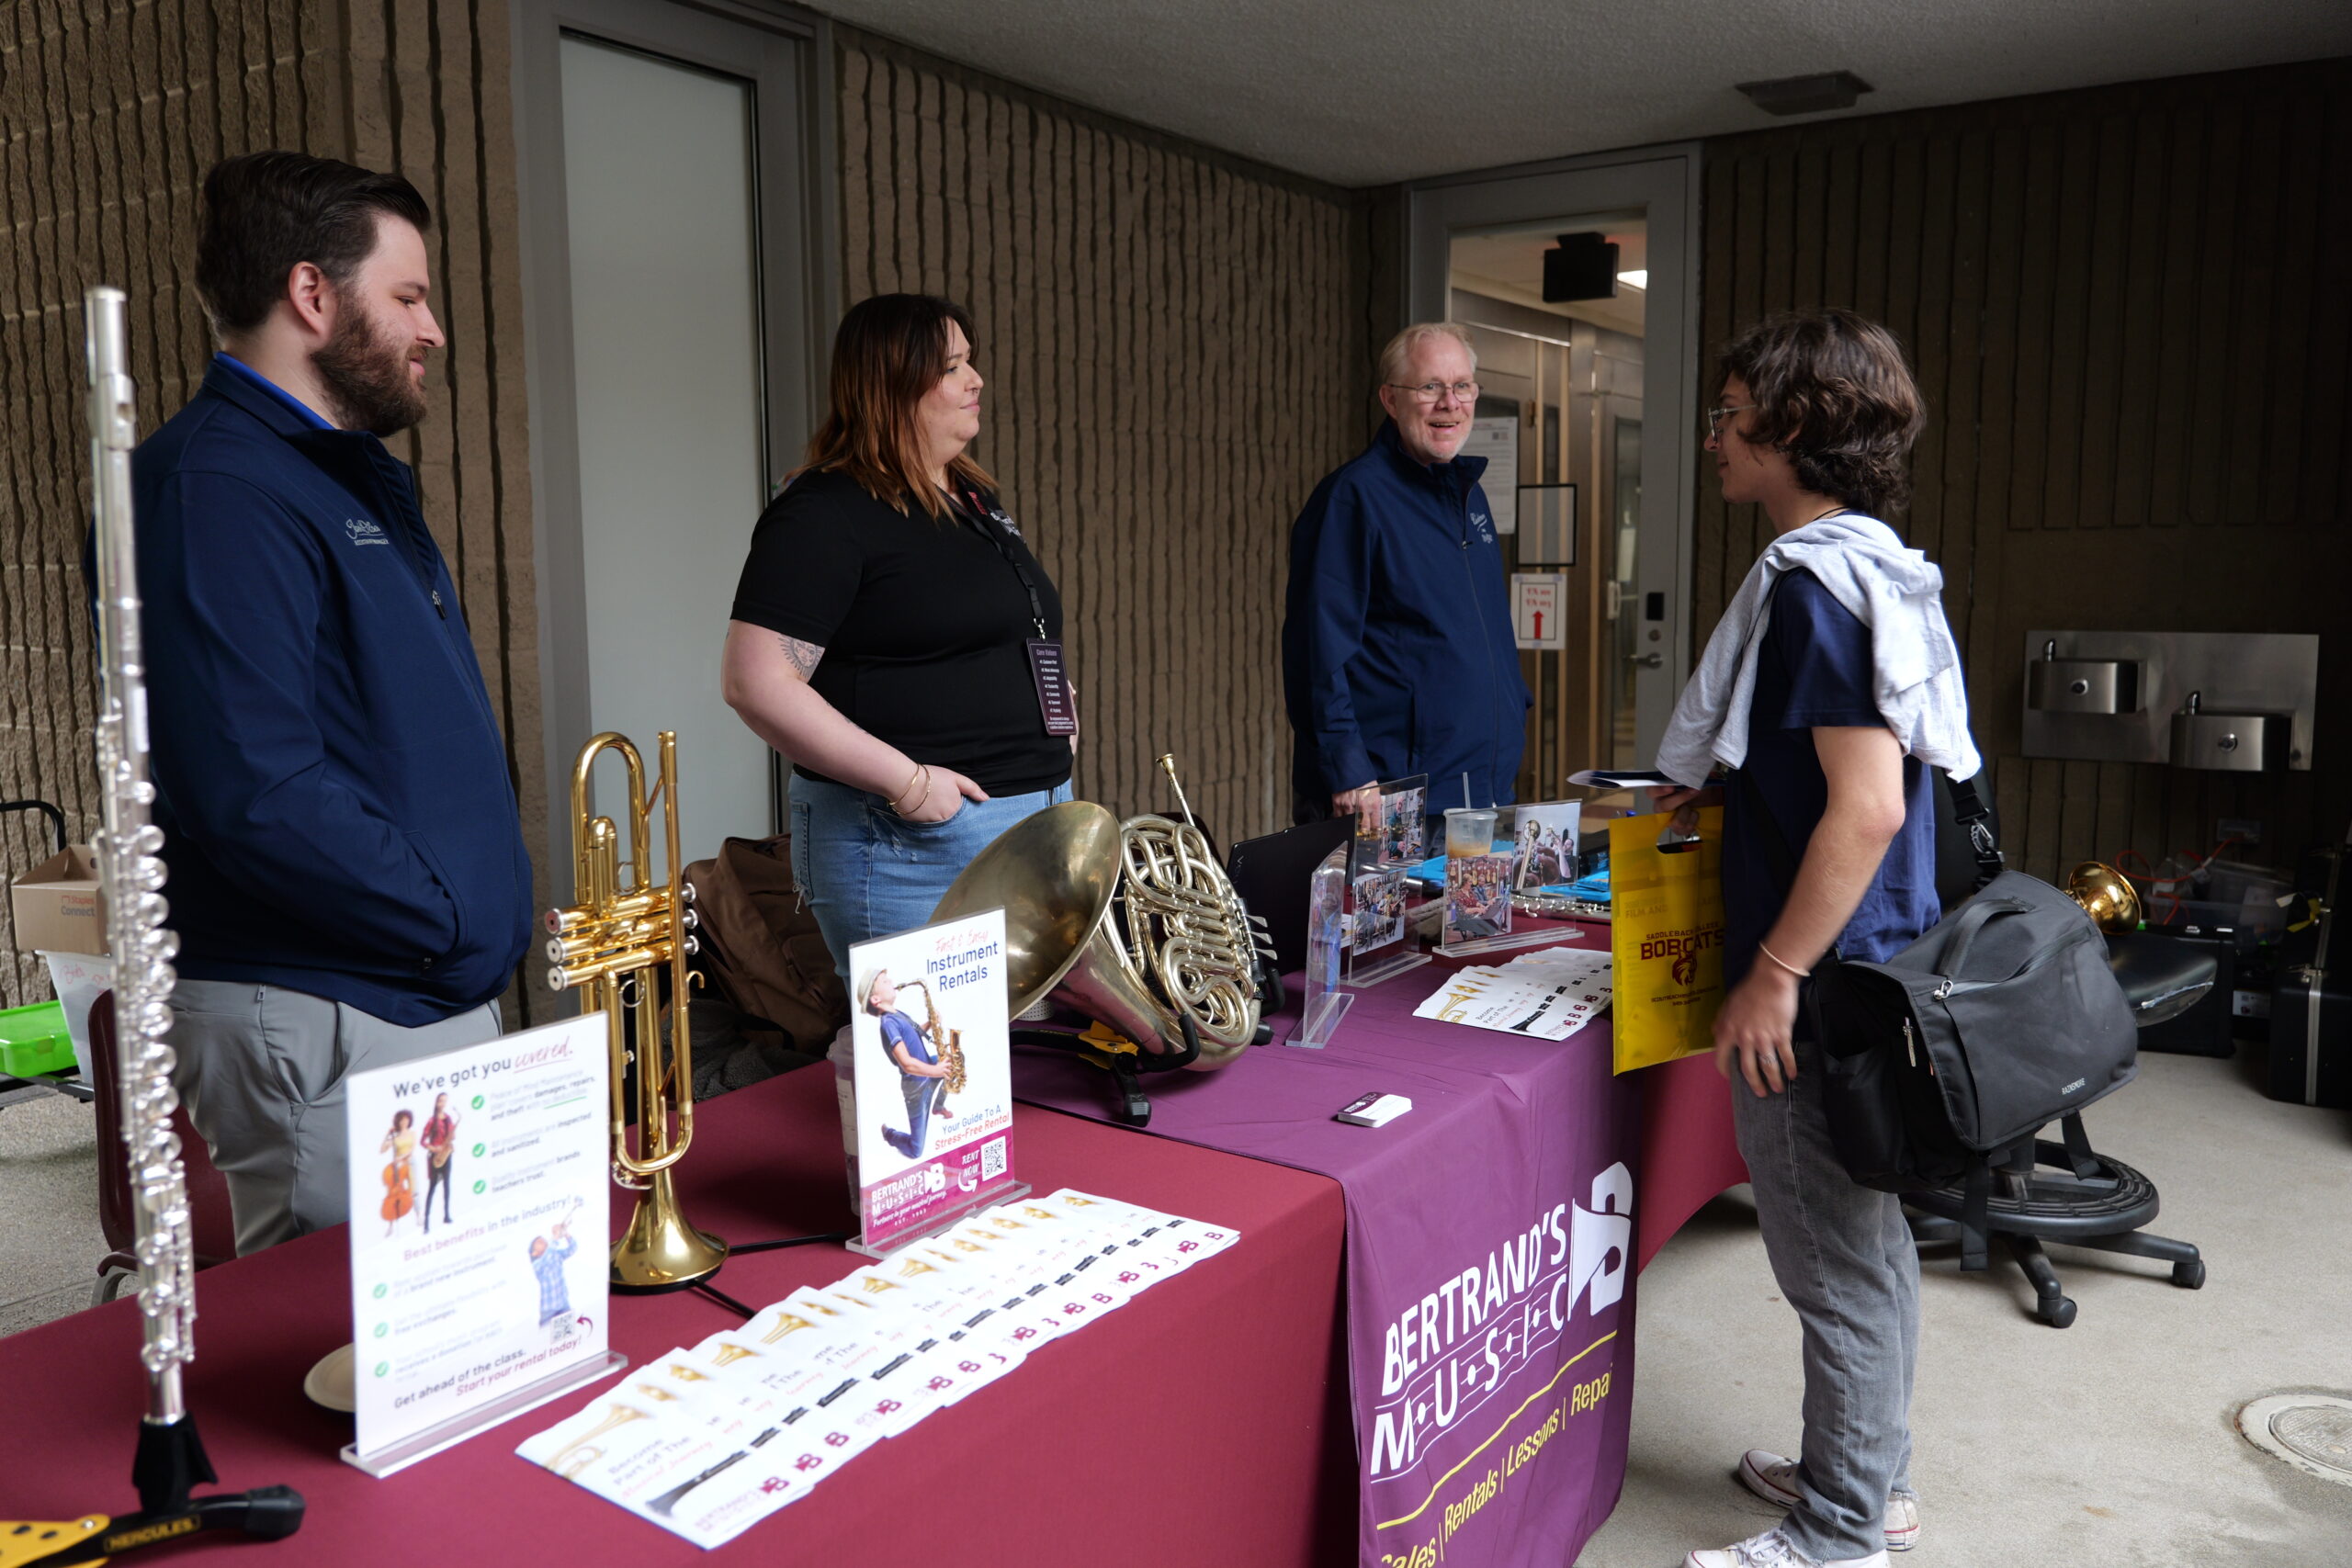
pixel 661 1251
pixel 2105 896
pixel 1053 874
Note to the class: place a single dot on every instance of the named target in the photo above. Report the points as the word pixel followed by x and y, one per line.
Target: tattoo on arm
pixel 803 655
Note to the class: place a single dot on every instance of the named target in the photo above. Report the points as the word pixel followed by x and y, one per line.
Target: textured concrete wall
pixel 109 116
pixel 1174 346
pixel 2131 310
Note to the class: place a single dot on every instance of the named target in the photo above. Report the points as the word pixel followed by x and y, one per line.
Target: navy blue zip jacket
pixel 332 787
pixel 1398 653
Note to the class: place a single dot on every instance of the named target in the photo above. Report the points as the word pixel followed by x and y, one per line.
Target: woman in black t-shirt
pixel 883 632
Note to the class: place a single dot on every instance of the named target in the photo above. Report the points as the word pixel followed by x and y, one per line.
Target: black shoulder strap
pixel 1968 808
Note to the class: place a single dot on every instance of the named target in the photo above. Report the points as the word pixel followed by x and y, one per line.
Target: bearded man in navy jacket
pixel 347 875
pixel 1398 652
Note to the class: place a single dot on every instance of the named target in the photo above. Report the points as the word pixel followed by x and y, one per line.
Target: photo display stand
pixel 931 1057
pixel 1542 837
pixel 1391 838
pixel 1327 943
pixel 471 1300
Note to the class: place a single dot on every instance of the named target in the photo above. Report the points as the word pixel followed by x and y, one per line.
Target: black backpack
pixel 2002 1019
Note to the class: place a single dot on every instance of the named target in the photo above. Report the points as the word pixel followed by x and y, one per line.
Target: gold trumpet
pixel 624 925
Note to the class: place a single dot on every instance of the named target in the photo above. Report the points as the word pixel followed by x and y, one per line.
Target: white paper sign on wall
pixel 1537 601
pixel 1497 440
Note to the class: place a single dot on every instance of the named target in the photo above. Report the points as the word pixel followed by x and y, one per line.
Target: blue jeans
pixel 1845 1261
pixel 867 873
pixel 921 1094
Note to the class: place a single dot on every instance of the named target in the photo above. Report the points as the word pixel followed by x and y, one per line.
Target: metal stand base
pixel 458 1428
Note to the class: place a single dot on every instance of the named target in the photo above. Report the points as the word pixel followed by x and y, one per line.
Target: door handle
pixel 1647 660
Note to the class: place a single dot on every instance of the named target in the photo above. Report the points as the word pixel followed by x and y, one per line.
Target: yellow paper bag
pixel 1665 939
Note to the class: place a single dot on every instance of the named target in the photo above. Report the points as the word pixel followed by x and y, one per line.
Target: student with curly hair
pixel 1831 685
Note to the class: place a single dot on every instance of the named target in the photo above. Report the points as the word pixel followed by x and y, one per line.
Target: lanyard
pixel 980 518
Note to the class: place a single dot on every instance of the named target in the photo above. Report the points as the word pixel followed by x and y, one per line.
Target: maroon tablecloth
pixel 1506 1131
pixel 1204 1423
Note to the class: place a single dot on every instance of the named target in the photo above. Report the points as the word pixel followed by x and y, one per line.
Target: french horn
pixel 1133 924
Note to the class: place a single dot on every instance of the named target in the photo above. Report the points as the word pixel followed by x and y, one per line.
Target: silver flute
pixel 131 870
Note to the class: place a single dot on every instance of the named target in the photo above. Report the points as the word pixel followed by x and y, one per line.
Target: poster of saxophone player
pixel 932 1078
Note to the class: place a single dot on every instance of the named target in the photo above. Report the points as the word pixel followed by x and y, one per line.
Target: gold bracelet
pixel 1799 974
pixel 919 803
pixel 921 774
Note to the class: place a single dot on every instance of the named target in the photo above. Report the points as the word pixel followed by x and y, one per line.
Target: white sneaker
pixel 1771 1550
pixel 1774 1479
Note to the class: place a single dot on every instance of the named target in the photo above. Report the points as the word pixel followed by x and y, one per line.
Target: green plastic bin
pixel 33 1040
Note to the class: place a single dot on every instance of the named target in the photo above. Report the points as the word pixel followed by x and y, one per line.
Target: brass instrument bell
pixel 1055 874
pixel 606 946
pixel 2105 896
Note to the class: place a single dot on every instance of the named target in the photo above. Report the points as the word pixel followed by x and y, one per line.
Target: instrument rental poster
pixel 478 1212
pixel 934 1074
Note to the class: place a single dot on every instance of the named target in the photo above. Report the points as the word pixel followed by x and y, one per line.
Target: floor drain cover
pixel 2310 1432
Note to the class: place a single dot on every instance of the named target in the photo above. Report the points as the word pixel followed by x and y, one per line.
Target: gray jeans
pixel 1845 1261
pixel 262 1070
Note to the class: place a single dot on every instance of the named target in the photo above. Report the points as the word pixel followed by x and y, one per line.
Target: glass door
pixel 1576 283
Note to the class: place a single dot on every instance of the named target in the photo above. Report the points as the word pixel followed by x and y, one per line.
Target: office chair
pixel 214 1231
pixel 2083 1198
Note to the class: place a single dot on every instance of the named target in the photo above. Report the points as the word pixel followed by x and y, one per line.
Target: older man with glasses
pixel 1398 653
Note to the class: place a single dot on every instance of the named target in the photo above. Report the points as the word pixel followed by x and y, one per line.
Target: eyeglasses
pixel 1435 392
pixel 1715 417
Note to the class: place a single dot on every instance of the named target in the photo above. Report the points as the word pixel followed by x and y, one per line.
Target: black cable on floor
pixel 723 1299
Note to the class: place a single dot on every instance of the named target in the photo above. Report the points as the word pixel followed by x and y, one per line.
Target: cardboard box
pixel 57 906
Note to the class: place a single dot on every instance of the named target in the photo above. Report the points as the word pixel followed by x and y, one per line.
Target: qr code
pixel 991 1160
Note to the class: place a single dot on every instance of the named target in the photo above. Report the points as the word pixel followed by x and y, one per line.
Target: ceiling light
pixel 1639 279
pixel 1806 95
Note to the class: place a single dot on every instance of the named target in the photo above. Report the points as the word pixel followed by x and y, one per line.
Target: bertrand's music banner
pixel 1492 1328
pixel 932 1053
pixel 478 1202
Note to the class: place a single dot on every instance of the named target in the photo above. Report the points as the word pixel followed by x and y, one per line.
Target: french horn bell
pixel 1055 874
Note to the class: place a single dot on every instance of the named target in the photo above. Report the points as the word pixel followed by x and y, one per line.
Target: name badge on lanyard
pixel 1047 670
pixel 1053 687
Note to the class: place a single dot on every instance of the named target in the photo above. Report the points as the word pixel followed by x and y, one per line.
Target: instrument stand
pixel 1130 1104
pixel 1135 1106
pixel 169 1465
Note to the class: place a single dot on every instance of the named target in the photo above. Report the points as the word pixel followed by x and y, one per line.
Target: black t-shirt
pixel 925 625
